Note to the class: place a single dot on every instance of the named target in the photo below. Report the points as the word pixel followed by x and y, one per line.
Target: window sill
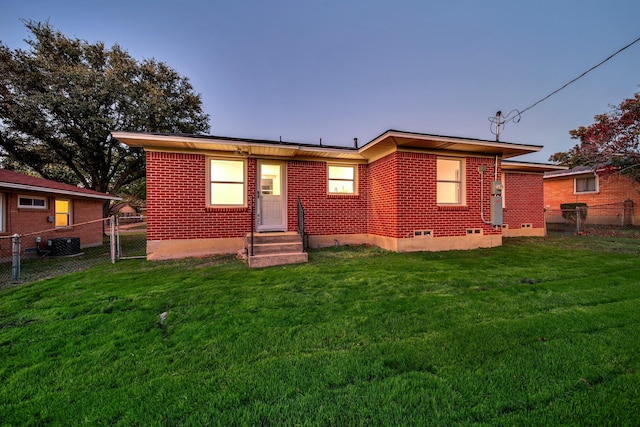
pixel 30 209
pixel 226 209
pixel 342 196
pixel 443 208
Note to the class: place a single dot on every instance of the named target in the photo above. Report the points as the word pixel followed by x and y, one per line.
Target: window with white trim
pixel 63 213
pixel 587 184
pixel 449 181
pixel 227 182
pixel 341 179
pixel 32 202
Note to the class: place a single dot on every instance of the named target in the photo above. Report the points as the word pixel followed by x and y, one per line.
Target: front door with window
pixel 271 197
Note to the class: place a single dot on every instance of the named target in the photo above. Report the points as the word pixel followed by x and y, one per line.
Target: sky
pixel 344 69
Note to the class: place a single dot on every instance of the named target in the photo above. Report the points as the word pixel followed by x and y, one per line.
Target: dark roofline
pixel 520 166
pixel 21 182
pixel 431 135
pixel 576 170
pixel 339 147
pixel 251 140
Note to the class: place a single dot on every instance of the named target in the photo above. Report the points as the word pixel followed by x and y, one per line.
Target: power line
pixel 518 113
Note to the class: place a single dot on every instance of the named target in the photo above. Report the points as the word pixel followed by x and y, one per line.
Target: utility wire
pixel 580 76
pixel 516 118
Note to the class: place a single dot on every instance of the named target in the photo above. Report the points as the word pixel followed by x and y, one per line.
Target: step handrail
pixel 301 223
pixel 253 222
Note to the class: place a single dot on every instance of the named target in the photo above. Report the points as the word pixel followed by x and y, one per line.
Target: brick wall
pixel 396 196
pixel 416 193
pixel 456 221
pixel 325 214
pixel 177 205
pixel 177 200
pixel 523 200
pixel 403 197
pixel 383 187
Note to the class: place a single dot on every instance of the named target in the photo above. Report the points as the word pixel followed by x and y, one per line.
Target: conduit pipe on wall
pixel 482 169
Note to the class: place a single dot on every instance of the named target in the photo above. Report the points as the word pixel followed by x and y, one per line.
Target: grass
pixel 536 332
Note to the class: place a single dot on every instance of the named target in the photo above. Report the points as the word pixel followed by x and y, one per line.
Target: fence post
pixel 112 238
pixel 577 219
pixel 15 259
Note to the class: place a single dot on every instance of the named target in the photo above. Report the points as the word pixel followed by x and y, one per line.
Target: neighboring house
pixel 127 212
pixel 126 209
pixel 402 192
pixel 31 205
pixel 123 209
pixel 610 197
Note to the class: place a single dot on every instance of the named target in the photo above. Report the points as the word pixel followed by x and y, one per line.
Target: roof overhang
pixel 570 173
pixel 238 146
pixel 388 142
pixel 393 140
pixel 47 190
pixel 529 167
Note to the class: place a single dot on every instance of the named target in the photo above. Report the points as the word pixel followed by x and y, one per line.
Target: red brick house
pixel 402 192
pixel 523 197
pixel 49 209
pixel 610 197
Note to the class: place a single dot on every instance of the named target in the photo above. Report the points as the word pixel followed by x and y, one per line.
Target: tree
pixel 612 141
pixel 62 97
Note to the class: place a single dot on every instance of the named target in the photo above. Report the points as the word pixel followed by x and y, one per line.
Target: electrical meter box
pixel 496 203
pixel 496 188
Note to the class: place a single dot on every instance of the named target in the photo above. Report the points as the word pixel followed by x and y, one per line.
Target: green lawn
pixel 538 332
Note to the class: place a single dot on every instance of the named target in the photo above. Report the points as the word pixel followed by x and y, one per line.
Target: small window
pixel 585 185
pixel 227 182
pixel 341 179
pixel 449 185
pixel 32 202
pixel 63 213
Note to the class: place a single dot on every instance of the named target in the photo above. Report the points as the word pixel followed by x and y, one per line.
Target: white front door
pixel 271 196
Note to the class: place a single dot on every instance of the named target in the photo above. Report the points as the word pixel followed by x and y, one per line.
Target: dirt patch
pixel 611 232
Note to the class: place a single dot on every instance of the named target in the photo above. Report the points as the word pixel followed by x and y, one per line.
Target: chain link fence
pixel 131 237
pixel 49 253
pixel 609 219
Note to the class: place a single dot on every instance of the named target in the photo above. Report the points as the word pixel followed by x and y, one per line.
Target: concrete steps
pixel 277 248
